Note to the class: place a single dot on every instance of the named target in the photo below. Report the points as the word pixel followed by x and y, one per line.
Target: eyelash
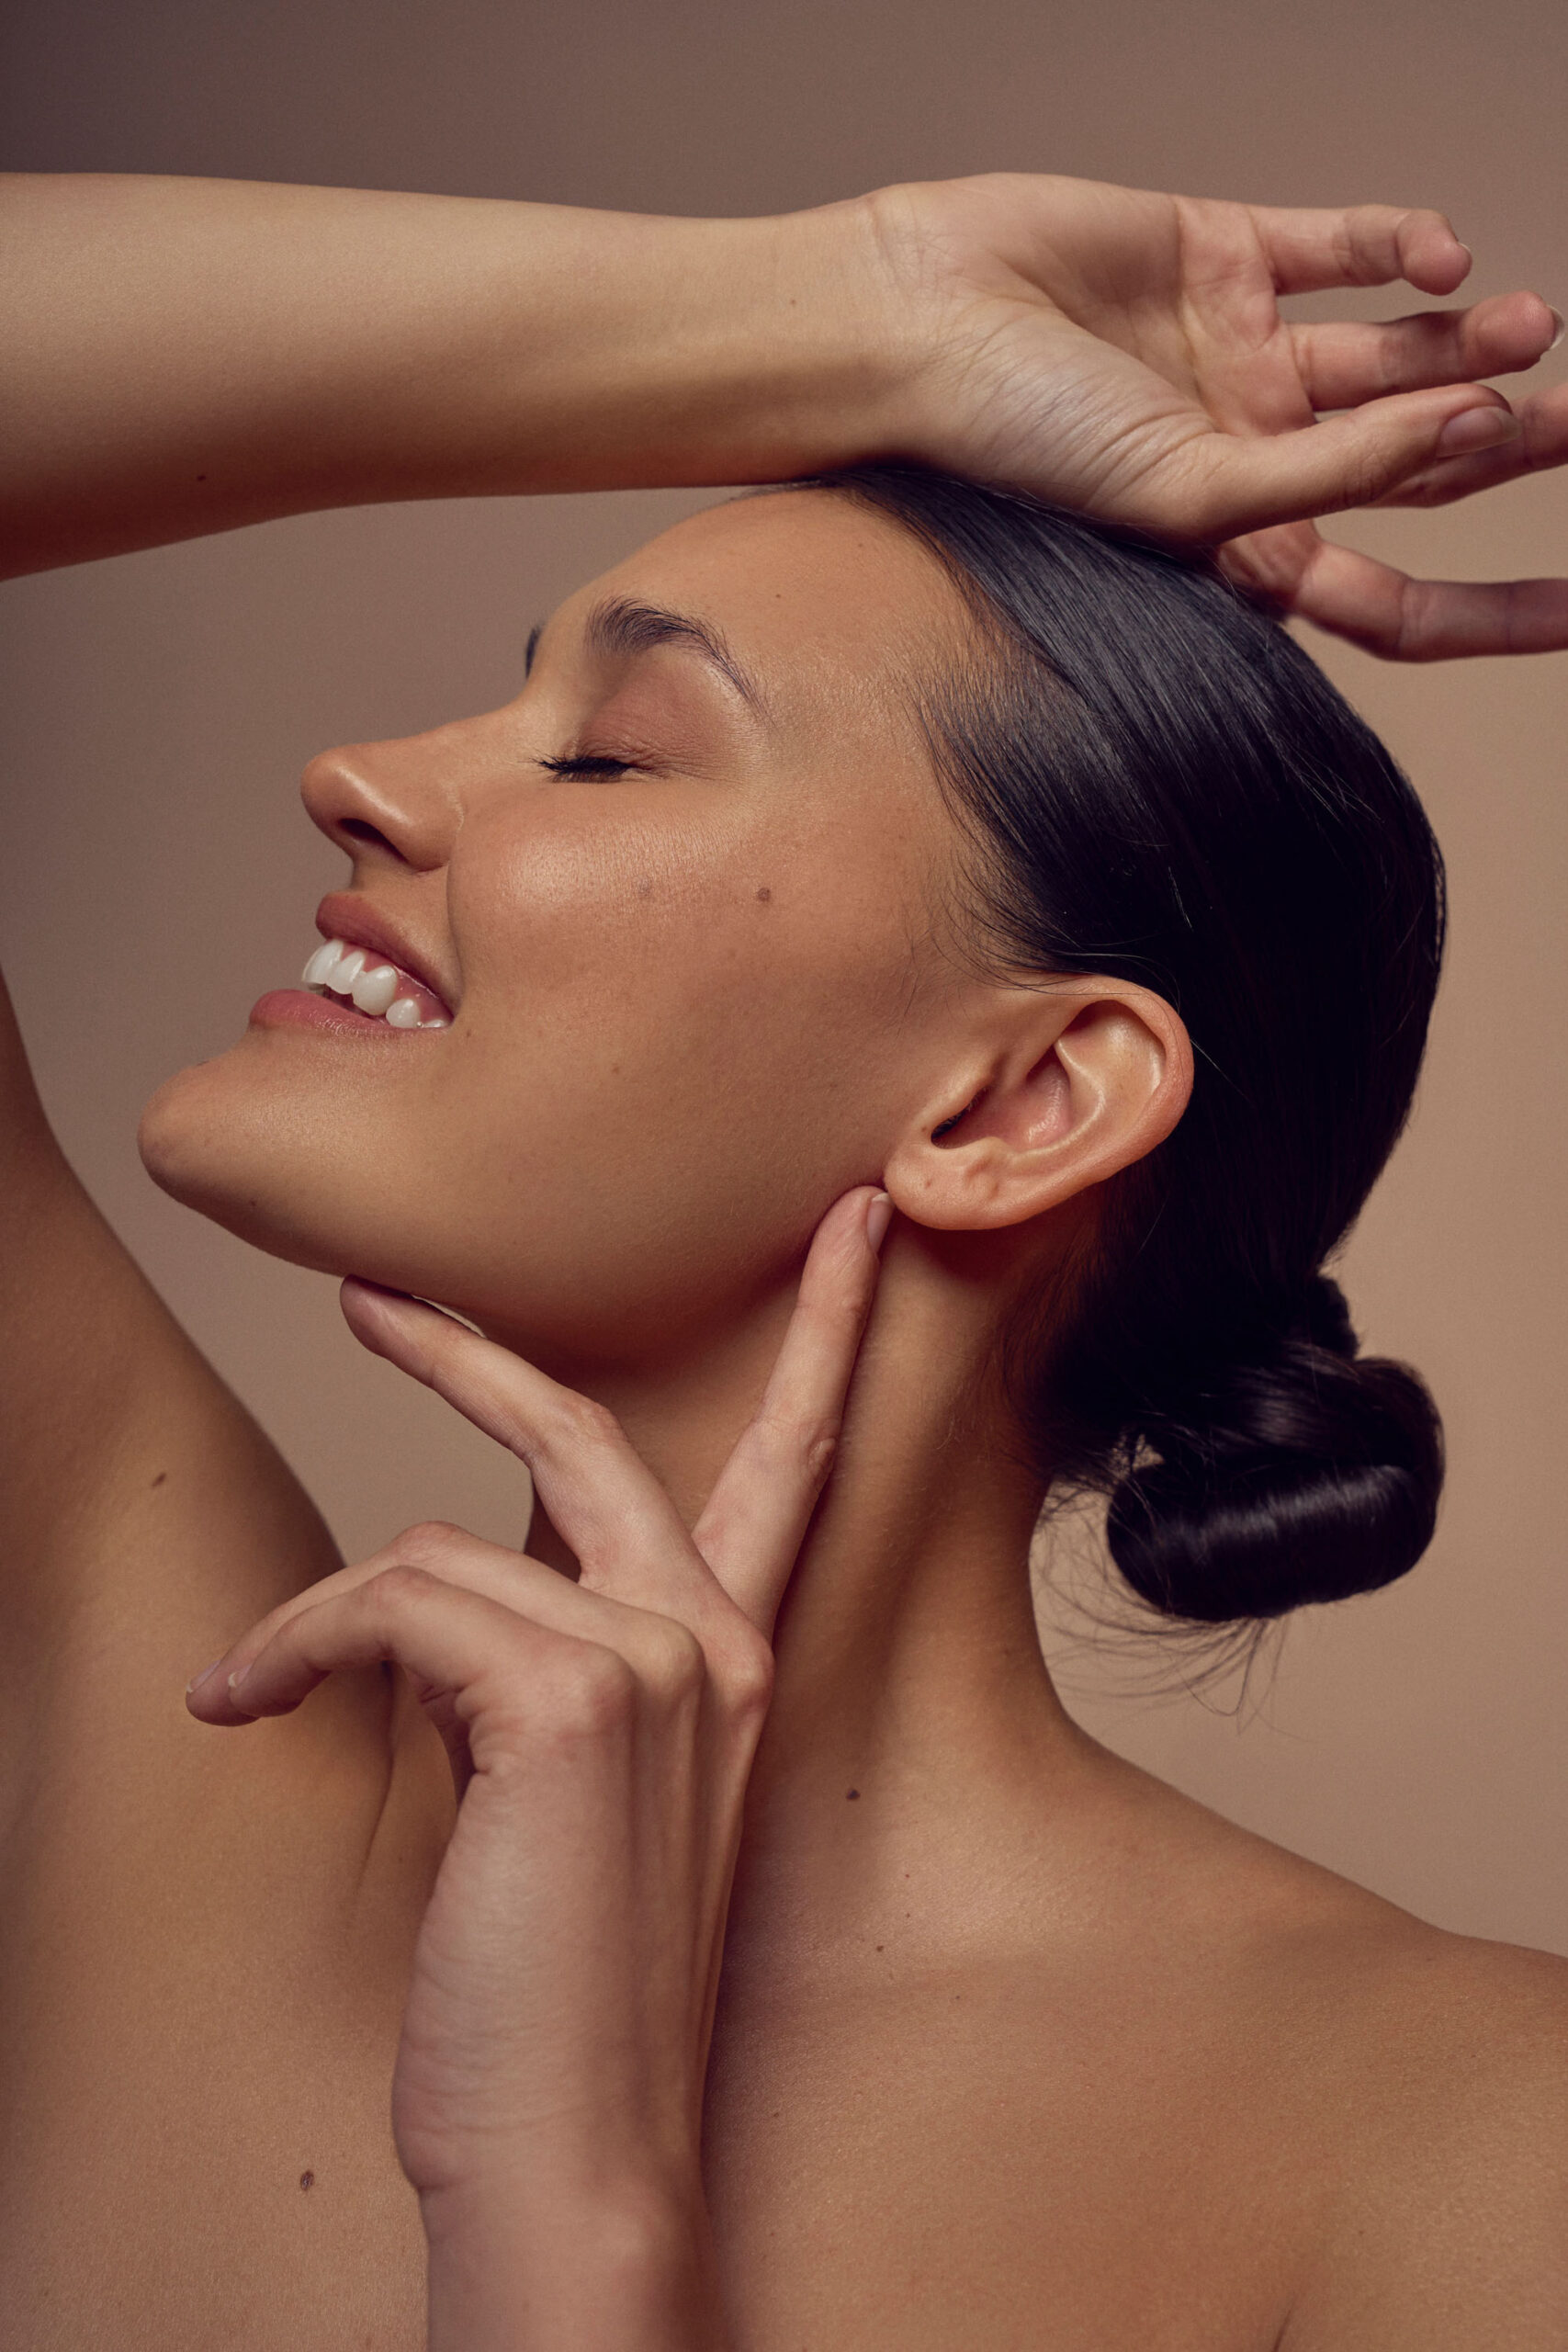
pixel 593 765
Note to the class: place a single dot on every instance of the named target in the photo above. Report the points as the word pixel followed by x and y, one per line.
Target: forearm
pixel 630 2271
pixel 188 356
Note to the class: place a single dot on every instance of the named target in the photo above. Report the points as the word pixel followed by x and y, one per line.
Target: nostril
pixel 357 831
pixel 387 803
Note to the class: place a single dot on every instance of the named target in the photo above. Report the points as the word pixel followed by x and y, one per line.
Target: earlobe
pixel 1082 1083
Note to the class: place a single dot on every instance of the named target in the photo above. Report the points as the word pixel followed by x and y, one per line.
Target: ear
pixel 1064 1086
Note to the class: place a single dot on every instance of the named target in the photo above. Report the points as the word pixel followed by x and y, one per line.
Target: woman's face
pixel 696 978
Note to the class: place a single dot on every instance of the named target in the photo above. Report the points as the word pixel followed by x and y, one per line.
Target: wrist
pixel 839 334
pixel 614 2266
pixel 711 352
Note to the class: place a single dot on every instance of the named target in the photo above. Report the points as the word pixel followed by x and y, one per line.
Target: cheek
pixel 670 1057
pixel 688 1051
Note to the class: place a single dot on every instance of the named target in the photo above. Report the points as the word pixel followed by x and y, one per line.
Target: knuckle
pixel 428 1539
pixel 582 1420
pixel 779 1441
pixel 1367 467
pixel 397 1585
pixel 745 1674
pixel 594 1693
pixel 675 1665
pixel 819 1452
pixel 398 1581
pixel 1394 355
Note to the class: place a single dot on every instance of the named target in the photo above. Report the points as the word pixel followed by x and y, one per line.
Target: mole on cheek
pixel 645 889
pixel 764 894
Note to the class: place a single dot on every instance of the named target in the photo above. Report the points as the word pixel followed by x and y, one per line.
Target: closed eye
pixel 588 763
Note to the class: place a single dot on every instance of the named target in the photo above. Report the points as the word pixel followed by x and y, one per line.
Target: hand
pixel 601 1734
pixel 1121 353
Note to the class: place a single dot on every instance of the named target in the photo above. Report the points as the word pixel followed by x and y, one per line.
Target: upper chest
pixel 206 1951
pixel 973 2161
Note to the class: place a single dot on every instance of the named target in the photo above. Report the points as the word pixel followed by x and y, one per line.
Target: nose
pixel 395 801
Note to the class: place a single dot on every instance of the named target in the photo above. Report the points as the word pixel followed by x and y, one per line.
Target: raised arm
pixel 188 356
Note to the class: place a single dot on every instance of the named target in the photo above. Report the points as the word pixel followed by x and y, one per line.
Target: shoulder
pixel 1431 2018
pixel 1422 2080
pixel 1449 2224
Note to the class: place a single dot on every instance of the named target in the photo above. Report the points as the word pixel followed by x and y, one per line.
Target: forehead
pixel 820 599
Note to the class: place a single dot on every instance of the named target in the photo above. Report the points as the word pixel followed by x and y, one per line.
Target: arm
pixel 194 354
pixel 188 356
pixel 132 1485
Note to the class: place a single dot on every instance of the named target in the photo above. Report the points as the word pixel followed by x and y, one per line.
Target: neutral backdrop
pixel 158 871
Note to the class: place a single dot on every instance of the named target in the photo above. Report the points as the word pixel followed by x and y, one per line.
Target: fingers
pixel 1234 484
pixel 456 1557
pixel 1540 444
pixel 1345 363
pixel 1366 244
pixel 1388 613
pixel 758 1513
pixel 446 1637
pixel 601 1496
pixel 1429 620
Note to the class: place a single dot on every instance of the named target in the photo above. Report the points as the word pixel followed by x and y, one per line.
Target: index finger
pixel 602 1498
pixel 758 1513
pixel 1363 244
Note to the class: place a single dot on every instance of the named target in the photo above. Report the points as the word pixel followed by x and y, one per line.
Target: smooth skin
pixel 757 1953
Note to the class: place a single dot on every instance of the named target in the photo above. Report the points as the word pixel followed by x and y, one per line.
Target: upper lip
pixel 341 915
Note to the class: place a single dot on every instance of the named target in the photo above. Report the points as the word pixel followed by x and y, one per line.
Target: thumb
pixel 1246 484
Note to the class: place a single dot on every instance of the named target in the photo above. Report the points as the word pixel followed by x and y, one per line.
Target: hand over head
pixel 1121 353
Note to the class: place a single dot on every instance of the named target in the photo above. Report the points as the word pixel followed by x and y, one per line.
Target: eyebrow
pixel 627 625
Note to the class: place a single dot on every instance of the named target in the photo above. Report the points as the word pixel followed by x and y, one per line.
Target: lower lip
pixel 301 1009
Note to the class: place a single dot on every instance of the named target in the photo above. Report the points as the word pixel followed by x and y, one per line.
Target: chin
pixel 578 1263
pixel 247 1173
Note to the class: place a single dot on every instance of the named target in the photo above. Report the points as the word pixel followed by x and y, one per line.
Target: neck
pixel 911 1697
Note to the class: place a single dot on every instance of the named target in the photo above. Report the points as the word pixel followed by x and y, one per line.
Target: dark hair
pixel 1164 787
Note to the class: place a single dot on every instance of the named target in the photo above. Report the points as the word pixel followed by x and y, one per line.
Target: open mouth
pixel 375 987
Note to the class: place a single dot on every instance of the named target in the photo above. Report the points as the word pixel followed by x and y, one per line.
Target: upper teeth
pixel 348 971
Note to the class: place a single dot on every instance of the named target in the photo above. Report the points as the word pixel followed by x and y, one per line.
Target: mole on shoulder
pixel 160 1478
pixel 850 1795
pixel 764 894
pixel 307 2180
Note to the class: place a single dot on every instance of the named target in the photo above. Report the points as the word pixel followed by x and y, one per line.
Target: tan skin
pixel 1013 2045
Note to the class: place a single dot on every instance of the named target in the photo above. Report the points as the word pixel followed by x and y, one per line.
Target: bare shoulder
pixel 1425 2076
pixel 1449 2223
pixel 1430 2015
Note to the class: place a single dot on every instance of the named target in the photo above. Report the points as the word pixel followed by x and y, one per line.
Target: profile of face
pixel 690 902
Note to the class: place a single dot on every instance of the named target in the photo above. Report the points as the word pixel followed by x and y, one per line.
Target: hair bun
pixel 1295 1473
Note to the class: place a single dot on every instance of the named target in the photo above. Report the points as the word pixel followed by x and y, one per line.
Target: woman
pixel 759 1954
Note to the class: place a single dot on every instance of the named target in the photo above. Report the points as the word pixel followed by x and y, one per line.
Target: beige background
pixel 158 874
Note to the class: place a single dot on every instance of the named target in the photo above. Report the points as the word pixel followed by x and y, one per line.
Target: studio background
pixel 158 871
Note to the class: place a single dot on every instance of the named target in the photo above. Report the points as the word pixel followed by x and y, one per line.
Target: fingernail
pixel 1562 325
pixel 197 1679
pixel 1477 429
pixel 876 1217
